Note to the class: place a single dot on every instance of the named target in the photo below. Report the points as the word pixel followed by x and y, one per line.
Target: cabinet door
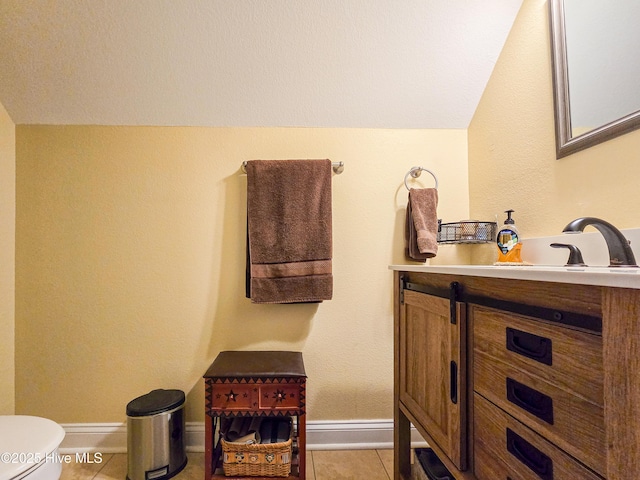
pixel 433 370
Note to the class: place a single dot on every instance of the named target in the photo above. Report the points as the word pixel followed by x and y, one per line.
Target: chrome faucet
pixel 620 253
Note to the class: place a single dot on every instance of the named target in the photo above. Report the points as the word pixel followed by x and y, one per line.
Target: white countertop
pixel 600 276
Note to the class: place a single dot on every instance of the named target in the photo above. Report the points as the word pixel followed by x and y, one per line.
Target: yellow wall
pixel 512 161
pixel 7 261
pixel 130 241
pixel 130 262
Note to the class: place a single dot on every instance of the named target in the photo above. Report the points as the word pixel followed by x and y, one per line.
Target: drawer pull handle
pixel 531 400
pixel 529 345
pixel 533 458
pixel 453 382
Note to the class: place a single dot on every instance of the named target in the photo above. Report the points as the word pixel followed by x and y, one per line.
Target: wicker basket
pixel 258 459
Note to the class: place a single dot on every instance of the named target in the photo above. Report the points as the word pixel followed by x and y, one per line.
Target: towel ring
pixel 415 173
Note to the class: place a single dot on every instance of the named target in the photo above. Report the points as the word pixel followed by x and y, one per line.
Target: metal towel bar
pixel 338 167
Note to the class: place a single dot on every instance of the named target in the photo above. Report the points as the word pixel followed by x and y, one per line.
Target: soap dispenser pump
pixel 509 244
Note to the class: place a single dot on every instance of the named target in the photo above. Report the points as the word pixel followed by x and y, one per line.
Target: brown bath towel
pixel 289 231
pixel 422 213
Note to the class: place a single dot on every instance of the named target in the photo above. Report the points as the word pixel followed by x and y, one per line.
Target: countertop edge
pixel 607 277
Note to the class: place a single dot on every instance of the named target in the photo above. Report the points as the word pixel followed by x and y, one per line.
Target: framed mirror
pixel 596 69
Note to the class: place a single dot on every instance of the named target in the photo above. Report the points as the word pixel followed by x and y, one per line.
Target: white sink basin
pixel 563 268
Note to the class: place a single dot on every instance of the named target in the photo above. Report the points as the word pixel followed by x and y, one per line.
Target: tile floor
pixel 321 465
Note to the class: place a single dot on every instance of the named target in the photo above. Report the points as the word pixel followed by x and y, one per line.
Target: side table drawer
pixel 258 395
pixel 279 397
pixel 230 396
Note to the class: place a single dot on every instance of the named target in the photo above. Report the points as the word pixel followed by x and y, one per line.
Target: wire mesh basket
pixel 468 231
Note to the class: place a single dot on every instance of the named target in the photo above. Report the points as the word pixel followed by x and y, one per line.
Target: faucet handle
pixel 575 255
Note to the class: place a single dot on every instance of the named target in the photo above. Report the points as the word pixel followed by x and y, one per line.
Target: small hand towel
pixel 410 239
pixel 424 204
pixel 289 231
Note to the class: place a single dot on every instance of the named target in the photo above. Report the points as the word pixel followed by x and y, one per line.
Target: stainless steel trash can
pixel 155 435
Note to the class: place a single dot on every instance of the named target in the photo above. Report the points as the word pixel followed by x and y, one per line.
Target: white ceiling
pixel 316 63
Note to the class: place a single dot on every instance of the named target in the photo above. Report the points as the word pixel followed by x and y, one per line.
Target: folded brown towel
pixel 289 231
pixel 424 203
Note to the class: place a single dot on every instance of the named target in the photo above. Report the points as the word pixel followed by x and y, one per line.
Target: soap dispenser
pixel 509 243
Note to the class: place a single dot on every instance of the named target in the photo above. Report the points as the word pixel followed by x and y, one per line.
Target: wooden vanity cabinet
pixel 545 376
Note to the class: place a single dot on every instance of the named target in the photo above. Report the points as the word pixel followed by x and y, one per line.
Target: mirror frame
pixel 565 143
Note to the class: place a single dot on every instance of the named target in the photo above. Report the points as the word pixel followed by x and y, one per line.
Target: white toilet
pixel 29 448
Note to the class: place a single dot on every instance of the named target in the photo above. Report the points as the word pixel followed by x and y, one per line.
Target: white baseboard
pixel 94 437
pixel 321 435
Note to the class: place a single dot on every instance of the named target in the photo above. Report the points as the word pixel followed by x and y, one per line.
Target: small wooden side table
pixel 245 383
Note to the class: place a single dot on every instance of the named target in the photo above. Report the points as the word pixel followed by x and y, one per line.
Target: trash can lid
pixel 154 402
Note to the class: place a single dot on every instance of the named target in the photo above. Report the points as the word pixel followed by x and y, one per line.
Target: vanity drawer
pixel 505 448
pixel 572 423
pixel 569 359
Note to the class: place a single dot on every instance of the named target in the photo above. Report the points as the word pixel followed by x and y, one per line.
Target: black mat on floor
pixel 431 465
